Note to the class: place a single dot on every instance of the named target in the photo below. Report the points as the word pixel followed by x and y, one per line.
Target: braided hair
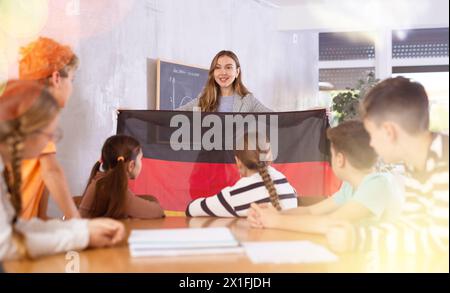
pixel 27 108
pixel 251 158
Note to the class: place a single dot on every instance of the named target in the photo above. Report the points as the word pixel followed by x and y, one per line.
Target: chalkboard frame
pixel 158 76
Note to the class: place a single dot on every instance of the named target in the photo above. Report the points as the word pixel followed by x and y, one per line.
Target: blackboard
pixel 178 84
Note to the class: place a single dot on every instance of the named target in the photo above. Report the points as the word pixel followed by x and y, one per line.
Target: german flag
pixel 178 173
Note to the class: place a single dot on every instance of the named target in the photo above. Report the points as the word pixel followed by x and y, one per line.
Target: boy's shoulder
pixel 439 148
pixel 377 180
pixel 444 145
pixel 379 176
pixel 390 183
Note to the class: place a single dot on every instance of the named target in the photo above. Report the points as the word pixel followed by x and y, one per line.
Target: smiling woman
pixel 224 90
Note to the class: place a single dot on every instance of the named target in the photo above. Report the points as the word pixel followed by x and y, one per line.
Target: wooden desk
pixel 118 259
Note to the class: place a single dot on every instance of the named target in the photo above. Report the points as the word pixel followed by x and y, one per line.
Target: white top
pixel 41 237
pixel 234 201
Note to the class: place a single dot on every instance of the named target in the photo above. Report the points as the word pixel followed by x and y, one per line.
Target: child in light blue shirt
pixel 378 192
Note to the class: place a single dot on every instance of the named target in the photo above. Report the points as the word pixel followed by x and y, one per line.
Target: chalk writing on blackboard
pixel 178 84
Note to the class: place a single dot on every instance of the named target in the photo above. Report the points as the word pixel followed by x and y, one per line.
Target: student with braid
pixel 28 120
pixel 259 183
pixel 107 193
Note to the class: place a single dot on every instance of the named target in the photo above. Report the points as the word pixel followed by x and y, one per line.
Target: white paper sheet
pixel 287 252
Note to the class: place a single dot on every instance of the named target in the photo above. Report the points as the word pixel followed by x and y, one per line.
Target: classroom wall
pixel 114 38
pixel 344 15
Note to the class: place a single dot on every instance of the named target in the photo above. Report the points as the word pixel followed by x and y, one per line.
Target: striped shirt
pixel 423 225
pixel 235 201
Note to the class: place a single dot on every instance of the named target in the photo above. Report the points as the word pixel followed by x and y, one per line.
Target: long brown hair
pixel 27 108
pixel 209 98
pixel 110 197
pixel 251 159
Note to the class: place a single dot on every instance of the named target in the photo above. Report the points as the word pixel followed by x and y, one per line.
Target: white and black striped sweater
pixel 234 201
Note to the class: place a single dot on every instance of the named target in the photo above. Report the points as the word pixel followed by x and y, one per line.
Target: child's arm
pixel 297 211
pixel 56 236
pixel 55 181
pixel 324 207
pixel 43 206
pixel 214 206
pixel 144 207
pixel 351 211
pixel 265 216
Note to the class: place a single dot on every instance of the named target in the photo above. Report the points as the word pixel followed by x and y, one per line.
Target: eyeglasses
pixel 55 136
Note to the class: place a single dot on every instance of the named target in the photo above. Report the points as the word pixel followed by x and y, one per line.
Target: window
pixel 345 57
pixel 422 55
pixel 419 54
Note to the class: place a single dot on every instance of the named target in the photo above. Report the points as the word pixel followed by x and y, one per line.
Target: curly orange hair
pixel 43 57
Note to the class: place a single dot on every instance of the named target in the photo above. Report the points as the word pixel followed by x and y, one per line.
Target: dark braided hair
pixel 268 183
pixel 251 159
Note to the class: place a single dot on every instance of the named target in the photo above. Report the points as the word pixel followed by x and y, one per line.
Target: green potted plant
pixel 345 103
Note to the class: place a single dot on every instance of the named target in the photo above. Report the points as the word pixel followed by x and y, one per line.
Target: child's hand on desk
pixel 105 232
pixel 253 217
pixel 262 216
pixel 341 236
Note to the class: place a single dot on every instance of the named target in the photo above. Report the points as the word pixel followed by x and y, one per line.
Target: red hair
pixel 43 57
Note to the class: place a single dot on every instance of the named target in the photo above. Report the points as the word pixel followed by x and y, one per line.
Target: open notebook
pixel 192 241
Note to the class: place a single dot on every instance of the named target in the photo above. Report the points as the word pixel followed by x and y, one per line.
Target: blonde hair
pixel 251 159
pixel 209 98
pixel 39 110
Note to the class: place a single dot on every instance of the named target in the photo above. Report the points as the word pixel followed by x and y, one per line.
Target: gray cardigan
pixel 247 103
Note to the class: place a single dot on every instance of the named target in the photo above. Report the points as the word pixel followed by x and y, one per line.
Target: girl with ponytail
pixel 259 183
pixel 28 120
pixel 107 193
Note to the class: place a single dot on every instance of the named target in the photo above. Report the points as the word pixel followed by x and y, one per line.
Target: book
pixel 191 241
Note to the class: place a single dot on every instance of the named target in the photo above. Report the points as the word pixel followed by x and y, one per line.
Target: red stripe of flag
pixel 175 184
